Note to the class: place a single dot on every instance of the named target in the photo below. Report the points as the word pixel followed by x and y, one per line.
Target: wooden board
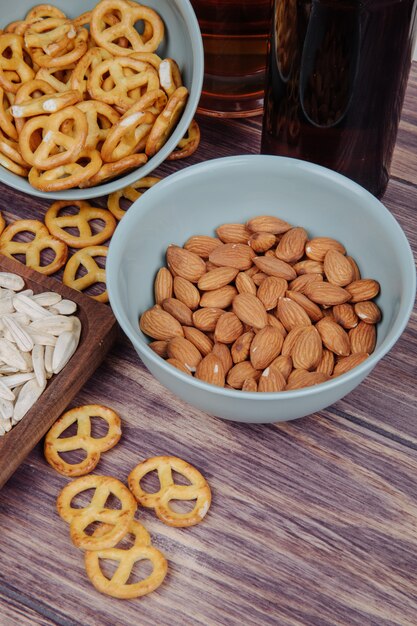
pixel 99 331
pixel 313 522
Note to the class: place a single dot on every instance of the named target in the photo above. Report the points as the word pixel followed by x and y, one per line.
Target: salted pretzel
pixel 54 42
pixel 166 121
pixel 33 249
pixel 188 144
pixel 57 223
pixel 118 586
pixel 43 11
pixel 67 176
pixel 12 166
pixel 101 118
pixel 56 148
pixel 49 103
pixel 129 13
pixel 7 124
pixel 132 193
pixel 129 134
pixel 15 63
pixel 147 57
pixel 111 170
pixel 95 273
pixel 57 77
pixel 118 520
pixel 169 76
pixel 10 148
pixel 82 20
pixel 32 89
pixel 55 444
pixel 198 490
pixel 85 65
pixel 127 74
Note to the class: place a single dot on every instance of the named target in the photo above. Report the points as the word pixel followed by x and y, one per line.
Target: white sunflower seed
pixel 11 281
pixel 38 353
pixel 54 325
pixel 66 345
pixel 47 298
pixel 15 380
pixel 21 338
pixel 24 304
pixel 10 355
pixel 6 409
pixel 6 393
pixel 29 394
pixel 43 339
pixel 65 307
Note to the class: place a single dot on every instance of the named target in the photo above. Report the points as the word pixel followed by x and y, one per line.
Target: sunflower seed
pixel 11 281
pixel 21 338
pixel 65 307
pixel 39 364
pixel 47 298
pixel 35 311
pixel 54 325
pixel 27 397
pixel 66 345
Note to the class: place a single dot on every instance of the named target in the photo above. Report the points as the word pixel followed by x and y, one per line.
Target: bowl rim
pixel 192 26
pixel 360 371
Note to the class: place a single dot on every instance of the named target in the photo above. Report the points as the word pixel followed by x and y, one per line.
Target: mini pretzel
pixel 82 70
pixel 56 224
pixel 32 89
pixel 169 76
pixel 58 78
pixel 45 34
pixel 33 249
pixel 58 53
pixel 144 76
pixel 15 63
pixel 131 193
pixel 93 446
pixel 117 586
pixel 43 11
pixel 188 144
pixel 12 166
pixel 147 57
pixel 56 148
pixel 50 103
pixel 129 13
pixel 95 274
pixel 166 121
pixel 110 170
pixel 198 490
pixel 79 519
pixel 11 149
pixel 69 175
pixel 6 119
pixel 101 117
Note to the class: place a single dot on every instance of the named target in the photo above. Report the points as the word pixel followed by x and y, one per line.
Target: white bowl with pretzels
pixel 94 95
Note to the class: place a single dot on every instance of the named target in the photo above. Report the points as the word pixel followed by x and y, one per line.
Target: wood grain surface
pixel 313 522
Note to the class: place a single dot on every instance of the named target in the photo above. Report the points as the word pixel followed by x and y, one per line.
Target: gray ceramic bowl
pixel 200 198
pixel 182 42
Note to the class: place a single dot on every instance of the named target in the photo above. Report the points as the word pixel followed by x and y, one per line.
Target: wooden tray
pixel 99 331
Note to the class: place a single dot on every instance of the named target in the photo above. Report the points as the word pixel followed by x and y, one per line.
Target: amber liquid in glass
pixel 235 38
pixel 336 78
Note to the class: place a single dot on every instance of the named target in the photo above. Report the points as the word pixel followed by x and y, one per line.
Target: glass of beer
pixel 235 35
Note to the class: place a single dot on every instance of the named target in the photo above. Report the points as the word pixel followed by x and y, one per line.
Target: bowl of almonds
pixel 260 288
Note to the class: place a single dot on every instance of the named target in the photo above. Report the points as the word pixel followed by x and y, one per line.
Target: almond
pixel 308 267
pixel 274 321
pixel 250 384
pixel 237 255
pixel 271 380
pixel 301 378
pixel 291 314
pixel 179 310
pixel 210 266
pixel 251 271
pixel 159 324
pixel 241 347
pixel 268 224
pixel 206 319
pixel 203 344
pixel 326 294
pixel 228 328
pixel 307 351
pixel 233 233
pixel 326 364
pixel 265 347
pixel 201 245
pixel 261 242
pixel 283 363
pixel 160 347
pixel 317 248
pixel 163 285
pixel 270 290
pixel 185 352
pixel 299 284
pixel 313 311
pixel 333 336
pixel 223 352
pixel 241 372
pixel 290 339
pixel 347 363
pixel 217 278
pixel 368 312
pixel 220 298
pixel 185 263
pixel 356 271
pixel 210 370
pixel 250 310
pixel 275 267
pixel 179 366
pixel 245 284
pixel 344 314
pixel 186 292
pixel 363 289
pixel 259 277
pixel 363 338
pixel 291 245
pixel 338 269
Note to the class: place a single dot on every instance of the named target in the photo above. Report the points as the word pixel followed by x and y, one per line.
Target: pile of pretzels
pixel 85 100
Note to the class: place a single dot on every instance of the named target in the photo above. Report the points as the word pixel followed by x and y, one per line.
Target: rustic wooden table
pixel 313 522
